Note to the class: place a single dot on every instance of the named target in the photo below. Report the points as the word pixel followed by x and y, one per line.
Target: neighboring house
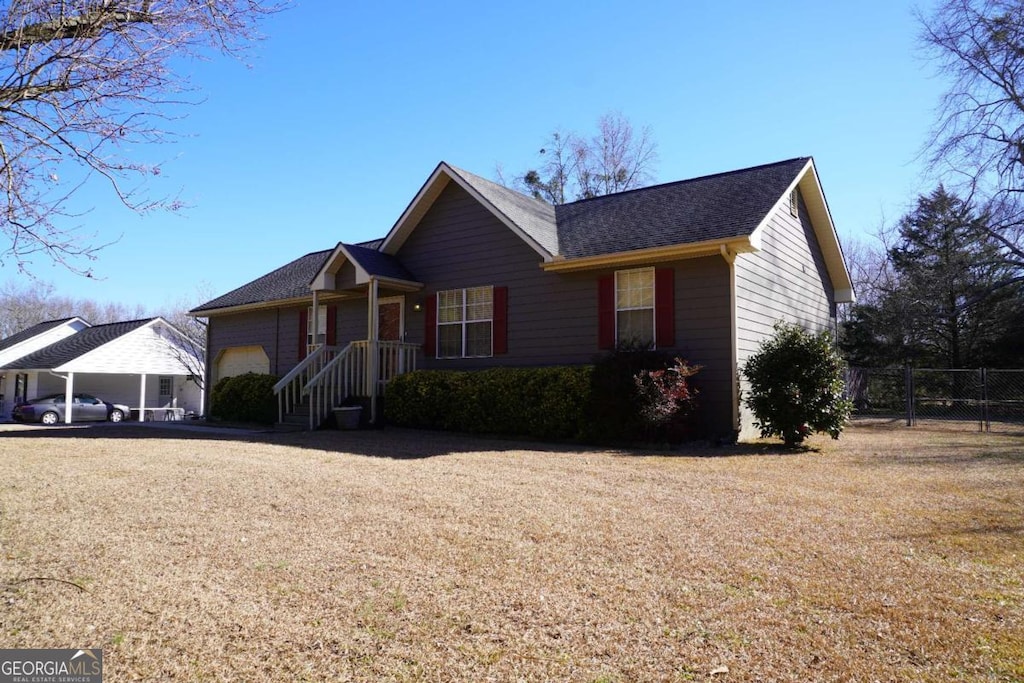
pixel 476 275
pixel 142 363
pixel 14 386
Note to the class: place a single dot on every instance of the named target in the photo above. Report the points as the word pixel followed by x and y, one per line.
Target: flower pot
pixel 348 417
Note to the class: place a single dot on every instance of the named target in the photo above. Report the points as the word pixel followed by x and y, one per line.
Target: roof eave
pixel 399 284
pixel 429 193
pixel 636 257
pixel 254 306
pixel 324 280
pixel 824 229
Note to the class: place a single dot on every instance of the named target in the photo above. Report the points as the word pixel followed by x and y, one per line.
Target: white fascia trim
pixel 756 236
pixel 400 229
pixel 547 256
pixel 255 306
pixel 674 252
pixel 15 352
pixel 323 280
pixel 845 296
pixel 444 173
pixel 830 246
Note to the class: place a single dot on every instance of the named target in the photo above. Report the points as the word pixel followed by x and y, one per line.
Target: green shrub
pixel 796 385
pixel 592 403
pixel 245 398
pixel 546 403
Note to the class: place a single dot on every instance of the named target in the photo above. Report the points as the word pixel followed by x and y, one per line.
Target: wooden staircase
pixel 297 419
pixel 329 375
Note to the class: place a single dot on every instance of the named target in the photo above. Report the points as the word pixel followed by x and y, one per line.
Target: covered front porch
pixel 331 374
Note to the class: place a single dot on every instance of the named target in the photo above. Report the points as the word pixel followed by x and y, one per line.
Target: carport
pixel 146 364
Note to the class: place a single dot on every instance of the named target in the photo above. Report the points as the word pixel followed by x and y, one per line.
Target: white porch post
pixel 316 318
pixel 142 397
pixel 69 394
pixel 372 324
pixel 202 401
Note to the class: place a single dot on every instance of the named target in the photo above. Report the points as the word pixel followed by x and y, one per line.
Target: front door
pixel 166 395
pixel 390 321
pixel 390 327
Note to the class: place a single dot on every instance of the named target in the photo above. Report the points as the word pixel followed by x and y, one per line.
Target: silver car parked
pixel 49 410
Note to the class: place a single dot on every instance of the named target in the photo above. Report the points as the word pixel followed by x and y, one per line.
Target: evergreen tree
pixel 945 306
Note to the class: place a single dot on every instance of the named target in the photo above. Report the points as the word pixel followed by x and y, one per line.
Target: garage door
pixel 238 360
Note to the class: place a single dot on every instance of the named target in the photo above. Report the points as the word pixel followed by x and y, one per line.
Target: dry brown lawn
pixel 891 555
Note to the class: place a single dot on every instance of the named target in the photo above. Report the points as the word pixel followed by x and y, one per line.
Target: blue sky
pixel 346 108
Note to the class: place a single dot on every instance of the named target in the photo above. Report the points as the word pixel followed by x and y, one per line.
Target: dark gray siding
pixel 276 330
pixel 552 317
pixel 786 280
pixel 351 321
pixel 345 278
pixel 703 334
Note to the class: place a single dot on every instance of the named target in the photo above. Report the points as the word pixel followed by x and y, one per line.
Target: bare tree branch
pixel 613 160
pixel 978 141
pixel 81 84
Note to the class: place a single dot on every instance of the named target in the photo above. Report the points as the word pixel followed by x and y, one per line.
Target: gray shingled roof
pixel 290 281
pixel 708 208
pixel 19 337
pixel 78 344
pixel 534 217
pixel 378 263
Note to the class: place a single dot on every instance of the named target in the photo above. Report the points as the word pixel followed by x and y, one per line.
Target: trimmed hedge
pixel 590 403
pixel 545 403
pixel 245 398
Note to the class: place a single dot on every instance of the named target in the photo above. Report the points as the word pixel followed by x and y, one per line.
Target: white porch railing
pixel 290 388
pixel 339 379
pixel 394 358
pixel 349 372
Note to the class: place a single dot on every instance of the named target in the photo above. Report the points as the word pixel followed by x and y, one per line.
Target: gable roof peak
pixel 530 219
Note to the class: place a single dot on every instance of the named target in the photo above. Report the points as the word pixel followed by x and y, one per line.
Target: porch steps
pixel 297 419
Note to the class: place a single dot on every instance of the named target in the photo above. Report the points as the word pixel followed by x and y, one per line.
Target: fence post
pixel 908 391
pixel 984 401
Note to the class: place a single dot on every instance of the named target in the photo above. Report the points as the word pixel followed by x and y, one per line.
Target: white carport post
pixel 142 398
pixel 69 393
pixel 372 322
pixel 202 399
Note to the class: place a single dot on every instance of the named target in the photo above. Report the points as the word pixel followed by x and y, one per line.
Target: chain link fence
pixel 984 399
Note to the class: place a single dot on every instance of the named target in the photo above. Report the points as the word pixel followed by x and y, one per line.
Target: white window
pixel 794 203
pixel 634 307
pixel 465 320
pixel 321 328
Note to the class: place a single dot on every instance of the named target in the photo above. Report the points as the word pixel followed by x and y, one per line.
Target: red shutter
pixel 430 327
pixel 664 308
pixel 303 332
pixel 500 336
pixel 606 312
pixel 332 325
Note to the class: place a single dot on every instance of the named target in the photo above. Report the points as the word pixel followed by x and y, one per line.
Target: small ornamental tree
pixel 666 397
pixel 796 385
